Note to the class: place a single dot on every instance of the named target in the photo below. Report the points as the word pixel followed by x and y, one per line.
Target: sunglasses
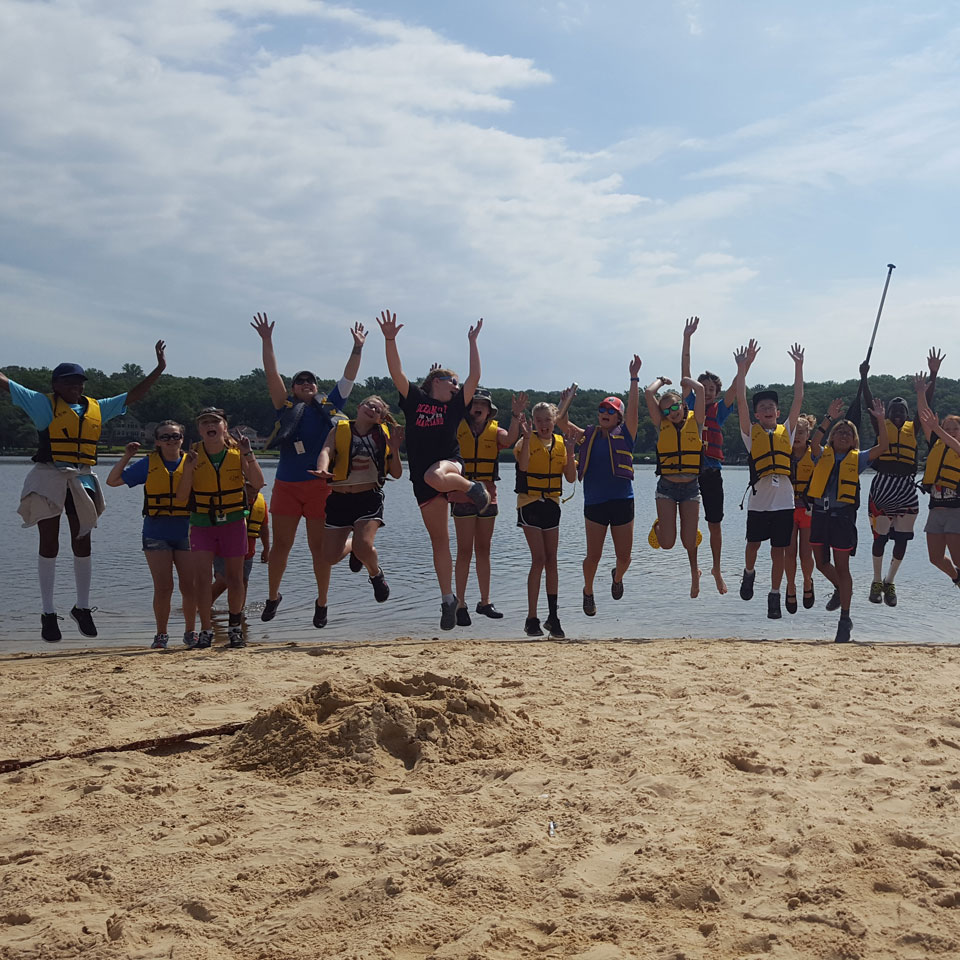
pixel 453 381
pixel 170 436
pixel 606 408
pixel 300 381
pixel 673 408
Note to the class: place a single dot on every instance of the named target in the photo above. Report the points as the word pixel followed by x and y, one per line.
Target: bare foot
pixel 695 584
pixel 718 576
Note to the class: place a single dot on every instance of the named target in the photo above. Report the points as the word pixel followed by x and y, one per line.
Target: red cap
pixel 614 402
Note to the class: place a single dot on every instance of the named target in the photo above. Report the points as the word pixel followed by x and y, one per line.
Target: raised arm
pixel 570 445
pixel 823 427
pixel 867 395
pixel 518 404
pixel 395 467
pixel 796 355
pixel 931 424
pixel 275 384
pixel 689 329
pixel 325 456
pixel 186 478
pixel 934 359
pixel 883 439
pixel 744 358
pixel 352 368
pixel 650 395
pixel 699 404
pixel 922 387
pixel 249 464
pixel 522 450
pixel 390 328
pixel 4 382
pixel 473 375
pixel 115 477
pixel 140 390
pixel 632 417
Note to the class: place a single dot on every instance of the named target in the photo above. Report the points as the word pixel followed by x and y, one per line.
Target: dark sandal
pixel 790 602
pixel 809 599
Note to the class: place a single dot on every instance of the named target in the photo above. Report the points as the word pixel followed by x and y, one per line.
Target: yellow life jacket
pixel 343 444
pixel 802 472
pixel 902 444
pixel 258 513
pixel 679 447
pixel 218 492
pixel 480 454
pixel 848 479
pixel 943 466
pixel 160 490
pixel 72 438
pixel 544 473
pixel 770 453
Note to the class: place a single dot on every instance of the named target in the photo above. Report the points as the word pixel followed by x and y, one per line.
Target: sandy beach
pixel 718 799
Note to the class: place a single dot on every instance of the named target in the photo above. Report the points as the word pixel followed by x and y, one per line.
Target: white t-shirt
pixel 774 491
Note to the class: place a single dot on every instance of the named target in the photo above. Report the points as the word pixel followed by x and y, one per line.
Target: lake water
pixel 655 603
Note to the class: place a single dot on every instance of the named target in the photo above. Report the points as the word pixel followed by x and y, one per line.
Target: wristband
pixel 634 379
pixel 249 456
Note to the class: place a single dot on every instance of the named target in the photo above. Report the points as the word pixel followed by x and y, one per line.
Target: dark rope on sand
pixel 226 729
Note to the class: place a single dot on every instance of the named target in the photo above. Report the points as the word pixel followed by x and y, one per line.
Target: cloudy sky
pixel 582 174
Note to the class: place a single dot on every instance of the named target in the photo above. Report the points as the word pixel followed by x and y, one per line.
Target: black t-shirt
pixel 431 431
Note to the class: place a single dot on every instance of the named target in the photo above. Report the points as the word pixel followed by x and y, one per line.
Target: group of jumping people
pixel 204 510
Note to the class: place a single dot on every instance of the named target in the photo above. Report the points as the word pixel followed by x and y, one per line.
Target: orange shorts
pixel 299 498
pixel 801 518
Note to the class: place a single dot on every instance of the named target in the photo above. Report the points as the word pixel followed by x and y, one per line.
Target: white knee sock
pixel 894 567
pixel 878 567
pixel 82 568
pixel 46 571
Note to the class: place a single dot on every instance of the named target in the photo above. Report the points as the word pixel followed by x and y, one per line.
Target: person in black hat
pixel 69 425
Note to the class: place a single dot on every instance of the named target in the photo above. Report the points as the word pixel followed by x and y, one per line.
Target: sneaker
pixel 49 628
pixel 876 592
pixel 356 565
pixel 160 642
pixel 889 596
pixel 616 586
pixel 532 627
pixel 235 637
pixel 773 606
pixel 205 639
pixel 270 608
pixel 479 496
pixel 463 617
pixel 489 610
pixel 190 639
pixel 790 602
pixel 589 607
pixel 552 624
pixel 84 619
pixel 381 590
pixel 746 585
pixel 834 602
pixel 809 597
pixel 844 625
pixel 319 615
pixel 448 615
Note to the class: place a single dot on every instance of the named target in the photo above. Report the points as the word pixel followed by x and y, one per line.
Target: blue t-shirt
pixel 599 483
pixel 723 411
pixel 38 408
pixel 158 528
pixel 312 432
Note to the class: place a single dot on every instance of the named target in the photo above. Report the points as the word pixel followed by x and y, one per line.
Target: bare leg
pixel 202 563
pixel 666 522
pixel 331 553
pixel 790 562
pixel 622 537
pixel 716 545
pixel 236 592
pixel 937 552
pixel 321 569
pixel 364 532
pixel 777 555
pixel 188 588
pixel 434 515
pixel 466 528
pixel 841 563
pixel 596 534
pixel 160 563
pixel 446 477
pixel 481 541
pixel 284 533
pixel 806 558
pixel 537 561
pixel 689 518
pixel 821 554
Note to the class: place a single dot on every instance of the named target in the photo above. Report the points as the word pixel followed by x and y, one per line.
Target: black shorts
pixel 711 494
pixel 543 514
pixel 835 530
pixel 773 525
pixel 346 509
pixel 469 509
pixel 610 513
pixel 425 493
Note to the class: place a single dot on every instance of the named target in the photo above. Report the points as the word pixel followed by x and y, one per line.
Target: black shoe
pixel 319 615
pixel 616 586
pixel 84 619
pixel 552 623
pixel 589 607
pixel 790 602
pixel 532 627
pixel 809 598
pixel 235 637
pixel 463 617
pixel 773 606
pixel 746 585
pixel 49 628
pixel 834 602
pixel 448 615
pixel 489 610
pixel 356 565
pixel 479 496
pixel 204 639
pixel 381 590
pixel 270 608
pixel 844 627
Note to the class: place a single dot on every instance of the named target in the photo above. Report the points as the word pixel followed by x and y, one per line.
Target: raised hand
pixel 398 435
pixel 796 353
pixel 835 408
pixel 878 411
pixel 474 331
pixel 690 327
pixel 263 326
pixel 635 364
pixel 688 383
pixel 359 335
pixel 864 368
pixel 131 448
pixel 934 359
pixel 161 347
pixel 191 458
pixel 388 325
pixel 518 403
pixel 243 441
pixel 920 382
pixel 753 348
pixel 524 426
pixel 665 381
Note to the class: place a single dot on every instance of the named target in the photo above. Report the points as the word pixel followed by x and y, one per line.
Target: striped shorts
pixel 893 496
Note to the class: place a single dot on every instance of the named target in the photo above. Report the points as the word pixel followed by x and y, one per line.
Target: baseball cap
pixel 208 412
pixel 614 402
pixel 62 370
pixel 761 395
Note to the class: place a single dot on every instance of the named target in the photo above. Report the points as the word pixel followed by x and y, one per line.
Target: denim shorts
pixel 152 543
pixel 668 489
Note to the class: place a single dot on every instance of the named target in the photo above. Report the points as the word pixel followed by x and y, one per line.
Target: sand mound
pixel 390 722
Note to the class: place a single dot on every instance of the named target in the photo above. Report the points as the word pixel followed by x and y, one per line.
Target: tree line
pixel 246 401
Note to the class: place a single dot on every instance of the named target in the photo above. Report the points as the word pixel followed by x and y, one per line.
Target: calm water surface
pixel 655 603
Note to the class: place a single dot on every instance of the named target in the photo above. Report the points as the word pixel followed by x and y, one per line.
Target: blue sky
pixel 583 175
